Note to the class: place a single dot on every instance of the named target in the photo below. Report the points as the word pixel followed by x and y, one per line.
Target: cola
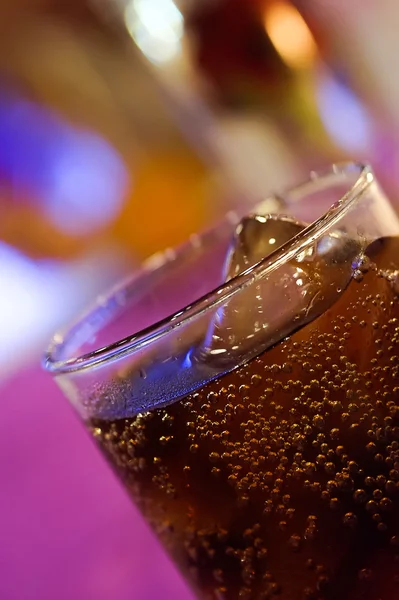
pixel 280 478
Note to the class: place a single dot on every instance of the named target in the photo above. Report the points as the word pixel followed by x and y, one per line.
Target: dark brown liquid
pixel 281 479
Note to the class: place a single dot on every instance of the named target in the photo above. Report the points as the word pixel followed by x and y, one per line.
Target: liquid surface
pixel 281 478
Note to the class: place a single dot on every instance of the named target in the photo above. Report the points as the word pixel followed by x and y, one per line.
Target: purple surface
pixel 68 531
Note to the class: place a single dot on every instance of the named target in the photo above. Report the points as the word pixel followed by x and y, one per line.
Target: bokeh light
pixel 74 175
pixel 157 28
pixel 344 116
pixel 38 296
pixel 290 34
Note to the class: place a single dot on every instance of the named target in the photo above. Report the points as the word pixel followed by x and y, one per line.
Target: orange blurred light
pixel 290 34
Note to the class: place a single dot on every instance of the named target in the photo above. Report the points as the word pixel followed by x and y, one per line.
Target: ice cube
pixel 255 238
pixel 275 305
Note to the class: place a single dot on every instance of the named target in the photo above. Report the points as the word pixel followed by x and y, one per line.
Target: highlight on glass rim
pixel 254 419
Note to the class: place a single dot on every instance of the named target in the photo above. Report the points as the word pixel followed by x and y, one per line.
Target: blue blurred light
pixel 343 115
pixel 86 184
pixel 27 306
pixel 37 296
pixel 76 176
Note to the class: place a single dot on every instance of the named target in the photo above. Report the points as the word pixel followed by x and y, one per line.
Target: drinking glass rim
pixel 219 295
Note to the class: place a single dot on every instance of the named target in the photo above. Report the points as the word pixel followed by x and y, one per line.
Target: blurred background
pixel 126 125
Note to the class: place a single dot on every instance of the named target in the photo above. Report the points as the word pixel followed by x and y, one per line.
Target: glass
pixel 255 424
